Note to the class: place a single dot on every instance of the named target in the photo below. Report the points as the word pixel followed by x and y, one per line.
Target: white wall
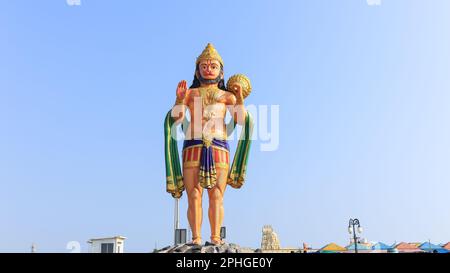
pixel 96 246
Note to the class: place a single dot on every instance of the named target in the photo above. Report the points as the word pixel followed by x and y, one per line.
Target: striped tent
pixel 446 246
pixel 332 248
pixel 407 248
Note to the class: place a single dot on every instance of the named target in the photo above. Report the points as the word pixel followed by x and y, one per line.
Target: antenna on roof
pixel 33 248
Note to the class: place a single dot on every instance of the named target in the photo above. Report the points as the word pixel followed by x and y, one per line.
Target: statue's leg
pixel 216 211
pixel 194 194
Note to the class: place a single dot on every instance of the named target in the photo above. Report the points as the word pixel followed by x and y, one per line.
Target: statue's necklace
pixel 210 95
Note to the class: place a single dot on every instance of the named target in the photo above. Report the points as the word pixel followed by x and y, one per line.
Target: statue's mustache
pixel 209 81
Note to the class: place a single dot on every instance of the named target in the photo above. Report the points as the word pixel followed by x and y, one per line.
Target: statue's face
pixel 209 69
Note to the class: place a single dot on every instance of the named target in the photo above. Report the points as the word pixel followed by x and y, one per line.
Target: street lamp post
pixel 176 221
pixel 351 229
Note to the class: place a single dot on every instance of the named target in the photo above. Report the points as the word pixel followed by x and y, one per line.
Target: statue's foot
pixel 216 240
pixel 197 241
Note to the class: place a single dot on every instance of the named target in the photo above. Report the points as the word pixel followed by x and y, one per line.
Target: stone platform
pixel 206 248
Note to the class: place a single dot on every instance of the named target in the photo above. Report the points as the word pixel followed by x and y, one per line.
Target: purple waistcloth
pixel 216 142
pixel 207 172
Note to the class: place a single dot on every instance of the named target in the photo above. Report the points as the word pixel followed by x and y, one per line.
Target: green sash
pixel 174 177
pixel 236 176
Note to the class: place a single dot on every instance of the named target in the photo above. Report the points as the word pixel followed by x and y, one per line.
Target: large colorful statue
pixel 206 154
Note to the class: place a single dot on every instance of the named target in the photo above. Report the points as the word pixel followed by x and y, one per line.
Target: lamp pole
pixel 176 224
pixel 352 230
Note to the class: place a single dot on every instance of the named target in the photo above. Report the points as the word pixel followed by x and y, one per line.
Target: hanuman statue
pixel 206 153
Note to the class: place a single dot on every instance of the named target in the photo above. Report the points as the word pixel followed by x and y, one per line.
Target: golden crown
pixel 209 53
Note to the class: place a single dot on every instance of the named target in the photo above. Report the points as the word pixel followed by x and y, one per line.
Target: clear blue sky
pixel 363 93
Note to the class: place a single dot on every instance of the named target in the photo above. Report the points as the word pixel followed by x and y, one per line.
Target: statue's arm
pixel 178 112
pixel 182 97
pixel 235 105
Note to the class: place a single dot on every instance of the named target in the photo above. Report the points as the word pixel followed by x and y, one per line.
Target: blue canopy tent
pixel 359 246
pixel 381 246
pixel 432 248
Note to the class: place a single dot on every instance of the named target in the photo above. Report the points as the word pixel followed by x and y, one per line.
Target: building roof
pixel 106 238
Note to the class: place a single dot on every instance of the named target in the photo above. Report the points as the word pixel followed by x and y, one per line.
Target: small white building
pixel 107 245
